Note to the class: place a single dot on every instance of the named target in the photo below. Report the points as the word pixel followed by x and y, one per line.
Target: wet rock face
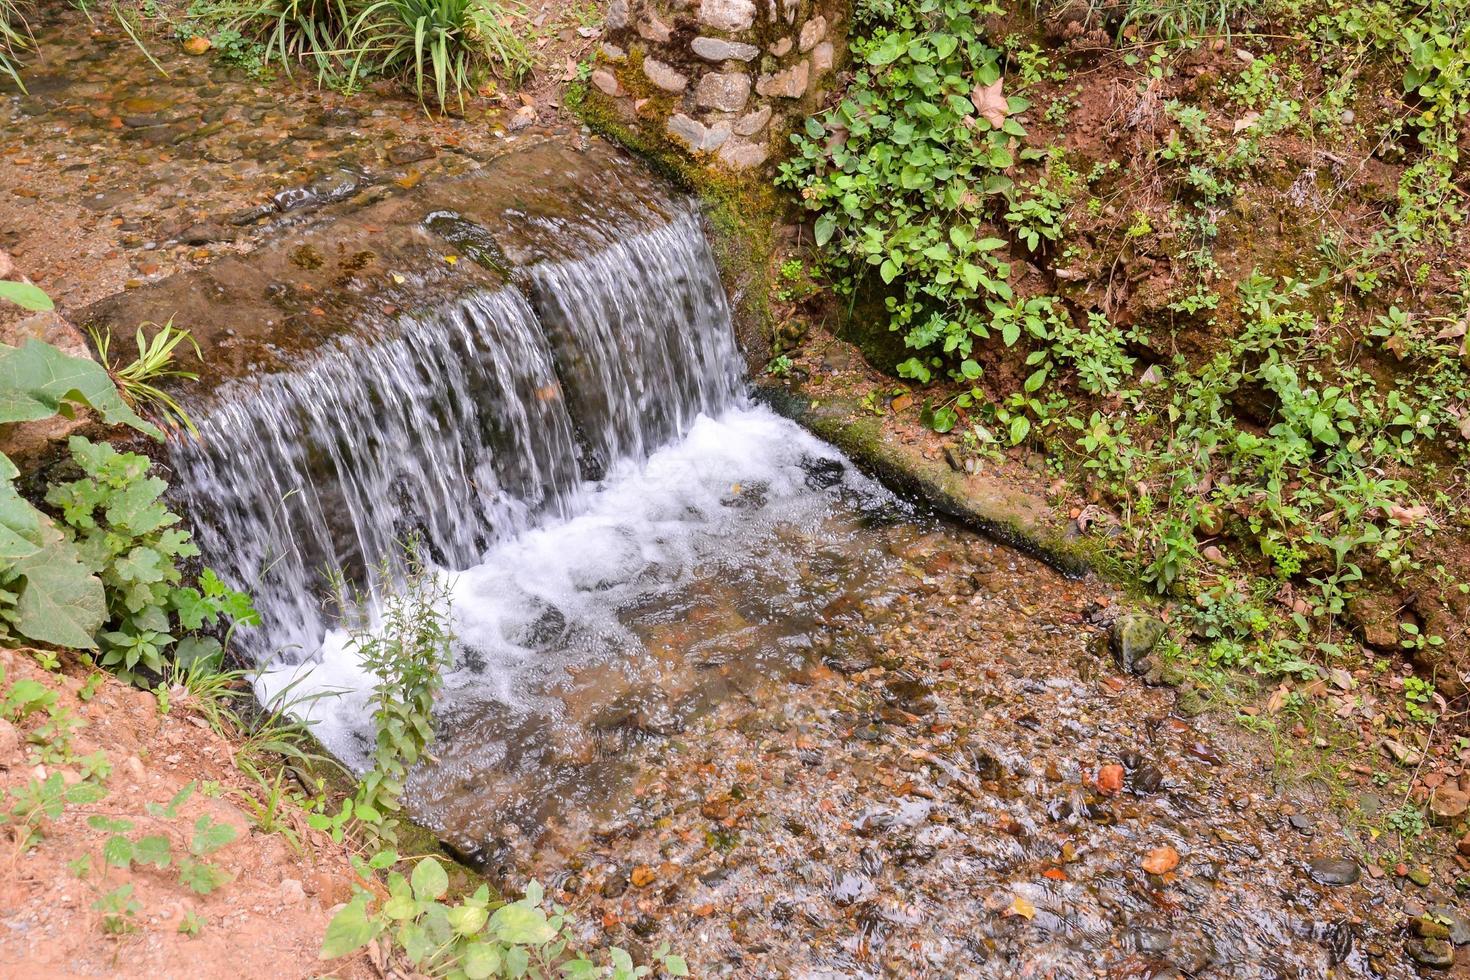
pixel 260 313
pixel 1132 637
pixel 1334 870
pixel 123 175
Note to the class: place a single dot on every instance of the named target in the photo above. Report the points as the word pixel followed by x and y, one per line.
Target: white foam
pixel 552 595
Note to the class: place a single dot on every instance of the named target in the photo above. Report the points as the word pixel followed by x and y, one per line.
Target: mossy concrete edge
pixel 981 502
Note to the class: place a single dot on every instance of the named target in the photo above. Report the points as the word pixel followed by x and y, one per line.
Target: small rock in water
pixel 1133 635
pixel 1435 953
pixel 411 153
pixel 1457 925
pixel 821 473
pixel 338 116
pixel 1334 871
pixel 1303 822
pixel 851 888
pixel 1161 860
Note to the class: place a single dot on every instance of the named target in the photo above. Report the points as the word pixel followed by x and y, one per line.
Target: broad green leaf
pixel 200 877
pixel 153 849
pixel 429 879
pixel 62 603
pixel 826 225
pixel 467 919
pixel 349 930
pixel 210 836
pixel 480 960
pixel 675 966
pixel 109 824
pixel 521 924
pixel 193 650
pixel 26 296
pixel 38 381
pixel 400 907
pixel 118 851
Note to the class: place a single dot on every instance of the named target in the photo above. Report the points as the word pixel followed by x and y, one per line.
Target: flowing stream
pixel 717 685
pixel 629 538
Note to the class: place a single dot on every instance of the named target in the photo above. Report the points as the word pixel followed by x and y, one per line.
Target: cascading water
pixel 455 430
pixel 629 539
pixel 642 335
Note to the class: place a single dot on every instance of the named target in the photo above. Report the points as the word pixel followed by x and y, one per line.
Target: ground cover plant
pixel 1208 261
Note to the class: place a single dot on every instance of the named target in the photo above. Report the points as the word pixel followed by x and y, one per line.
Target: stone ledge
pixel 983 503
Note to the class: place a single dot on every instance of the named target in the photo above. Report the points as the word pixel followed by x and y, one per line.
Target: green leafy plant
pixel 906 171
pixel 405 646
pixel 474 938
pixel 289 32
pixel 100 571
pixel 119 910
pixel 22 294
pixel 440 46
pixel 138 379
pixel 126 537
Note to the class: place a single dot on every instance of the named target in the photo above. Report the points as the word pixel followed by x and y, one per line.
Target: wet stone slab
pixel 356 267
pixel 114 175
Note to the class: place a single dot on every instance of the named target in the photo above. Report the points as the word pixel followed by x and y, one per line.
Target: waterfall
pixel 463 426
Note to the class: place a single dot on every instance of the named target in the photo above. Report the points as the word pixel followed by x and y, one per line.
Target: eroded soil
pixel 266 918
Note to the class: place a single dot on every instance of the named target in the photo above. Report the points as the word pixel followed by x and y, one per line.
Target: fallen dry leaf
pixel 1110 779
pixel 1021 907
pixel 990 103
pixel 1246 121
pixel 1456 329
pixel 1406 515
pixel 1161 860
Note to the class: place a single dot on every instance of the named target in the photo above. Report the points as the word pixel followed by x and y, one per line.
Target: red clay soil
pixel 267 920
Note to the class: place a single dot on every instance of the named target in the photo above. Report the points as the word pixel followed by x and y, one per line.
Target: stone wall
pixel 721 80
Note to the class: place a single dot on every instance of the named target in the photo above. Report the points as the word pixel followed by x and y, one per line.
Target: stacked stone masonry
pixel 724 80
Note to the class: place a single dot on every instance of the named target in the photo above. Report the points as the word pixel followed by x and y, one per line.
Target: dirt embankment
pixel 69 906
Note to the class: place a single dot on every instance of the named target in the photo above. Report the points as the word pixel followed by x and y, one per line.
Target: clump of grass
pixel 1162 20
pixel 440 46
pixel 155 362
pixel 293 32
pixel 15 38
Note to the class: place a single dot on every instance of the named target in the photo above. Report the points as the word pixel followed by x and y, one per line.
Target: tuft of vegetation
pixel 1264 445
pixel 441 46
pixel 15 39
pixel 442 49
pixel 98 567
pixel 290 33
pixel 137 379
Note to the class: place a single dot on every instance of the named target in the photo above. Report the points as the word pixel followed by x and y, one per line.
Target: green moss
pixel 985 505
